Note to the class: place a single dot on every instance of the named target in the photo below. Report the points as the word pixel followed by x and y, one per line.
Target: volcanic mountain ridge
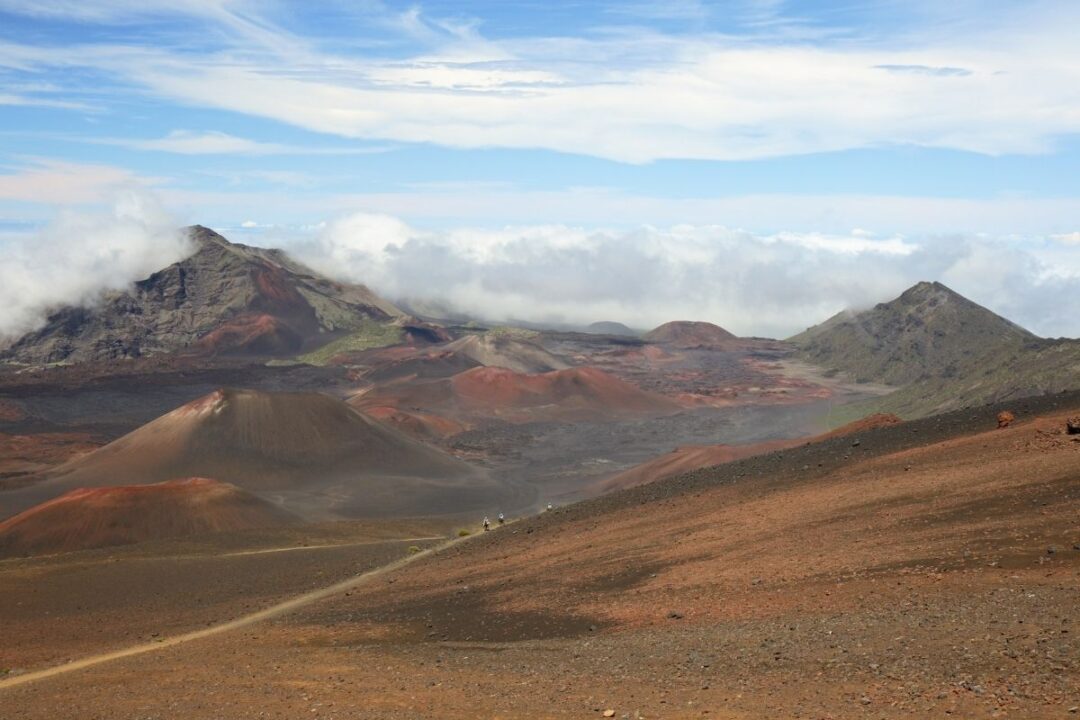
pixel 225 298
pixel 943 349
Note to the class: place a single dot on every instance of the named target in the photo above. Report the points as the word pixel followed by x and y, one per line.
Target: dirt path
pixel 294 548
pixel 240 622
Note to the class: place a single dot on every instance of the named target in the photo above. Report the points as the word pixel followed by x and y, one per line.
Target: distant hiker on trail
pixel 502 519
pixel 487 524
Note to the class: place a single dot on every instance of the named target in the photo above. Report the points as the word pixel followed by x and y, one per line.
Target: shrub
pixel 463 533
pixel 413 549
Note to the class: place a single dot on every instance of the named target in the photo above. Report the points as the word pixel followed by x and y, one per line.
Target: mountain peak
pixel 926 287
pixel 929 290
pixel 210 241
pixel 225 298
pixel 201 233
pixel 929 330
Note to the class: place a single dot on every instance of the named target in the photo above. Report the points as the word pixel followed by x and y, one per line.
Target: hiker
pixel 502 519
pixel 549 507
pixel 487 524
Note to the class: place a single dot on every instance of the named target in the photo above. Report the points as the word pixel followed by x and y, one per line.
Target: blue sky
pixel 294 111
pixel 939 124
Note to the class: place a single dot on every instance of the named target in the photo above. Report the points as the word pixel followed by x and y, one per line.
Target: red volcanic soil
pixel 687 334
pixel 251 335
pixel 694 457
pixel 463 354
pixel 276 292
pixel 121 515
pixel 325 458
pixel 928 572
pixel 686 458
pixel 584 388
pixel 420 425
pixel 911 581
pixel 22 455
pixel 575 394
pixel 870 422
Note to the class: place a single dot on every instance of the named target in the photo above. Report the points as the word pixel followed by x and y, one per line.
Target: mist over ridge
pixel 770 285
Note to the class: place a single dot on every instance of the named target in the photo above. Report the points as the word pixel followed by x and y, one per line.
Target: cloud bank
pixel 79 256
pixel 770 285
pixel 753 284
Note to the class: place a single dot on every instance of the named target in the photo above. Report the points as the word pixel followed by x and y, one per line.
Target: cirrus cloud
pixel 629 94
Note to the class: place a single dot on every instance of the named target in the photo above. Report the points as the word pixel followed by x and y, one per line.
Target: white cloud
pixel 186 142
pixel 1072 238
pixel 632 96
pixel 721 104
pixel 771 285
pixel 112 10
pixel 80 255
pixel 38 101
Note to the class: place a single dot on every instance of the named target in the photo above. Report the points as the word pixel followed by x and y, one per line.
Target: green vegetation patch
pixel 370 335
pixel 512 332
pixel 332 315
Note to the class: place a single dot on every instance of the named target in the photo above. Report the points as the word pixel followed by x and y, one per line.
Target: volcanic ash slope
pixel 309 451
pixel 100 517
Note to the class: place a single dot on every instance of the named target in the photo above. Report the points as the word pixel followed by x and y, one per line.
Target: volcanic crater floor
pixel 928 569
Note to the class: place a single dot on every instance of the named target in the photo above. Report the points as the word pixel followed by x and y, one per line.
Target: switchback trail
pixel 240 622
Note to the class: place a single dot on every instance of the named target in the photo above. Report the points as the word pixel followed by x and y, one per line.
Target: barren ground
pixel 926 569
pixel 62 607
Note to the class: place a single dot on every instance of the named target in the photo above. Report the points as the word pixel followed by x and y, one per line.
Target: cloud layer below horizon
pixel 752 284
pixel 767 285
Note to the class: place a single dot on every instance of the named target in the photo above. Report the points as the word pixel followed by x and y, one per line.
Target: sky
pixel 757 163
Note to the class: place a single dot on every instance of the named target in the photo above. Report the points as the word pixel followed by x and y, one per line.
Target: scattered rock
pixel 1072 425
pixel 609 713
pixel 675 615
pixel 1005 419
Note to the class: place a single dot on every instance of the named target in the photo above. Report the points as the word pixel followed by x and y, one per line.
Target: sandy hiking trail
pixel 250 619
